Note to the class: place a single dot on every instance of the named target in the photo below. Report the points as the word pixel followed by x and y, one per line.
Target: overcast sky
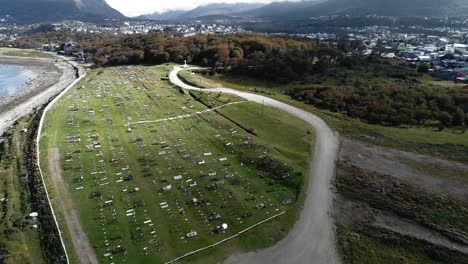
pixel 140 7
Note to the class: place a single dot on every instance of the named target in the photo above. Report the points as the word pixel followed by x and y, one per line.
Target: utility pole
pixel 263 107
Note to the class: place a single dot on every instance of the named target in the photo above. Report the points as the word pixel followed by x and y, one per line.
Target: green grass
pixel 263 122
pixel 19 242
pixel 154 153
pixel 23 53
pixel 449 143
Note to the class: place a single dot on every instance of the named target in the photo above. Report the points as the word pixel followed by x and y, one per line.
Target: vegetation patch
pixel 372 245
pixel 26 237
pixel 394 105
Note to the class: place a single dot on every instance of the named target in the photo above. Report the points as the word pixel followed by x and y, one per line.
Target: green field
pixel 24 53
pixel 236 162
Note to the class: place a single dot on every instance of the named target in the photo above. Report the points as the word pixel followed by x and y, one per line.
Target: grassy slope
pixel 21 243
pixel 160 101
pixel 446 144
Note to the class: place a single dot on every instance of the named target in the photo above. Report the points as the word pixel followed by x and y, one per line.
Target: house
pixel 461 79
pixel 80 56
pixel 69 47
pixel 424 58
pixel 390 55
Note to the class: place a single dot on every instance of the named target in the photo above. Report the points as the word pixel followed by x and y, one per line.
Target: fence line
pixel 224 240
pixel 184 116
pixel 39 131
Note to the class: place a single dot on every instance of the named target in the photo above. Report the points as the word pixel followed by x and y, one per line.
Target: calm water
pixel 12 79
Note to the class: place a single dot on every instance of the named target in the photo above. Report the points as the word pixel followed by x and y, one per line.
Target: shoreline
pixel 31 75
pixel 53 75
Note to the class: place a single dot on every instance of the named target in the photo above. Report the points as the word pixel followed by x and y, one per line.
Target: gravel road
pixel 312 239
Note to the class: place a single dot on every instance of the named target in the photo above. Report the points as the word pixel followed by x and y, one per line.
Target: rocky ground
pixel 52 76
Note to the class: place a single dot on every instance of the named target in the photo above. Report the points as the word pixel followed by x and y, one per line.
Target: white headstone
pixel 33 214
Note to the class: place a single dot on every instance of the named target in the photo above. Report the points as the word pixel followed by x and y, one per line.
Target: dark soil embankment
pixel 48 232
pixel 397 205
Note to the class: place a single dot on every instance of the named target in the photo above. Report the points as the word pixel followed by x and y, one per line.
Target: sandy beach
pixel 49 76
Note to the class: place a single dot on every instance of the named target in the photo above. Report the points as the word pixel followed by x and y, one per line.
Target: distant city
pixel 444 50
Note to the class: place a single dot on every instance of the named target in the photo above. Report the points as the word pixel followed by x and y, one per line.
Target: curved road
pixel 312 238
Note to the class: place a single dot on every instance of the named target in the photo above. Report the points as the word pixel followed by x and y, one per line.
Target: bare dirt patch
pixel 435 175
pixel 391 195
pixel 355 213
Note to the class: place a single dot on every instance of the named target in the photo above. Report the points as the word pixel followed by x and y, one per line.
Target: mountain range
pixel 217 9
pixel 430 8
pixel 284 11
pixel 31 11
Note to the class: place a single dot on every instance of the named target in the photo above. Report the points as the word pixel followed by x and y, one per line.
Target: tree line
pixel 284 58
pixel 271 57
pixel 392 104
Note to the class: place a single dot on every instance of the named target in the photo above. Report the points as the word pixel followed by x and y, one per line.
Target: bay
pixel 13 79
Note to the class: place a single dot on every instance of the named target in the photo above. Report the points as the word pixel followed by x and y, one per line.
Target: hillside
pixel 280 9
pixel 210 10
pixel 168 15
pixel 31 11
pixel 220 9
pixel 304 10
pixel 392 8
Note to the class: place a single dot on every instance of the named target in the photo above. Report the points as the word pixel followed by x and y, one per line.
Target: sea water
pixel 13 79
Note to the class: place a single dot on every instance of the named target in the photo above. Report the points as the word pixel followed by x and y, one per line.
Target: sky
pixel 141 7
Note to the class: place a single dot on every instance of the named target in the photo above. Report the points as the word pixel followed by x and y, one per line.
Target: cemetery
pixel 156 172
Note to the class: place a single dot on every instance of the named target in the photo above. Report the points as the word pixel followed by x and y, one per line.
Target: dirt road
pixel 80 240
pixel 55 77
pixel 312 238
pixel 82 246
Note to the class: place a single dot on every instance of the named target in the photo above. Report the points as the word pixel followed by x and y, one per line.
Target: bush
pixel 423 68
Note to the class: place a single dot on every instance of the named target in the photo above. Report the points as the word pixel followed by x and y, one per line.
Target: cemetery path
pixel 312 239
pixel 79 239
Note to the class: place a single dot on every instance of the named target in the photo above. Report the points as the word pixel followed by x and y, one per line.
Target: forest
pixel 392 104
pixel 280 58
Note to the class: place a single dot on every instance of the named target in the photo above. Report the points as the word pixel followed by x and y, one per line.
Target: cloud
pixel 140 7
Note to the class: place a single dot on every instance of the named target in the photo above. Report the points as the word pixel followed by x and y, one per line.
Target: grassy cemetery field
pixel 155 172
